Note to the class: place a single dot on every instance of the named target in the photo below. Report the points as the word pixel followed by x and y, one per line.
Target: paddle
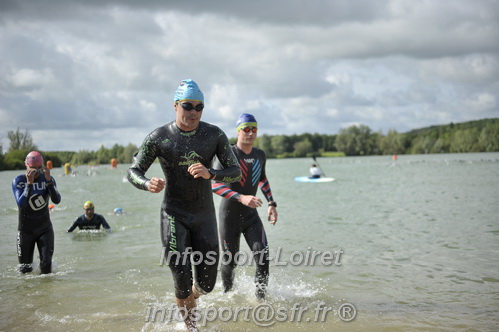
pixel 323 174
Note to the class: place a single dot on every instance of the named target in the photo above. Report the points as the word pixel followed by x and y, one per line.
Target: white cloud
pixel 110 66
pixel 482 102
pixel 31 79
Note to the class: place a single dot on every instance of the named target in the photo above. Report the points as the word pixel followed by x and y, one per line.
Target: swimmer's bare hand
pixel 156 185
pixel 198 170
pixel 272 212
pixel 46 171
pixel 250 201
pixel 30 175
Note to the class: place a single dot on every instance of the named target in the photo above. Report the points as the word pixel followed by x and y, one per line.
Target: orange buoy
pixel 114 163
pixel 49 164
pixel 51 206
pixel 394 157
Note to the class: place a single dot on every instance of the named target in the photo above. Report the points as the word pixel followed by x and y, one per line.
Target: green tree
pixel 83 157
pixel 54 157
pixel 355 141
pixel 280 144
pixel 15 159
pixel 2 164
pixel 115 152
pixel 264 142
pixel 65 157
pixel 489 137
pixel 392 143
pixel 423 144
pixel 441 145
pixel 20 141
pixel 303 148
pixel 127 154
pixel 465 140
pixel 103 155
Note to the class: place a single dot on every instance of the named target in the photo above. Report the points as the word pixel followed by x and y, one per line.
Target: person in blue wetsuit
pixel 185 148
pixel 89 220
pixel 238 214
pixel 32 192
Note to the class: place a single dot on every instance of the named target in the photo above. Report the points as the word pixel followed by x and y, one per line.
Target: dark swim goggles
pixel 189 107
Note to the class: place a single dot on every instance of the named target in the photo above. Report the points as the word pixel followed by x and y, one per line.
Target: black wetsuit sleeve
pixel 104 223
pixel 264 182
pixel 228 167
pixel 73 227
pixel 223 189
pixel 55 196
pixel 142 160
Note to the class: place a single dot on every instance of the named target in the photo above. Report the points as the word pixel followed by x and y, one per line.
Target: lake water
pixel 413 245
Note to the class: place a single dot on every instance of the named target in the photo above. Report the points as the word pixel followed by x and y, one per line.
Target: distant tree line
pixel 472 136
pixel 21 143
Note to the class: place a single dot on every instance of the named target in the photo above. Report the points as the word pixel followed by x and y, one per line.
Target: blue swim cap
pixel 246 120
pixel 188 89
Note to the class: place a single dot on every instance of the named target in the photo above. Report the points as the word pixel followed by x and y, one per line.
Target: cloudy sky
pixel 79 74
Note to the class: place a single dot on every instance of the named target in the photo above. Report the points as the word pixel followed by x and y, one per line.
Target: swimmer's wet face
pixel 89 213
pixel 247 135
pixel 188 120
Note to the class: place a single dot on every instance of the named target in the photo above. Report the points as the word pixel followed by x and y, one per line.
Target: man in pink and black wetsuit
pixel 237 212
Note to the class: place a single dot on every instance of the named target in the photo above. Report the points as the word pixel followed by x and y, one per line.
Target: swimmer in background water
pixel 89 220
pixel 32 191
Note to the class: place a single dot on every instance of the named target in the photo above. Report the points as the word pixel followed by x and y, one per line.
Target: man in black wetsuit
pixel 89 220
pixel 238 214
pixel 185 149
pixel 32 191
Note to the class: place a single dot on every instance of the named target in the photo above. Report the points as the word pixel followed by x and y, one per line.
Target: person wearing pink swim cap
pixel 33 192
